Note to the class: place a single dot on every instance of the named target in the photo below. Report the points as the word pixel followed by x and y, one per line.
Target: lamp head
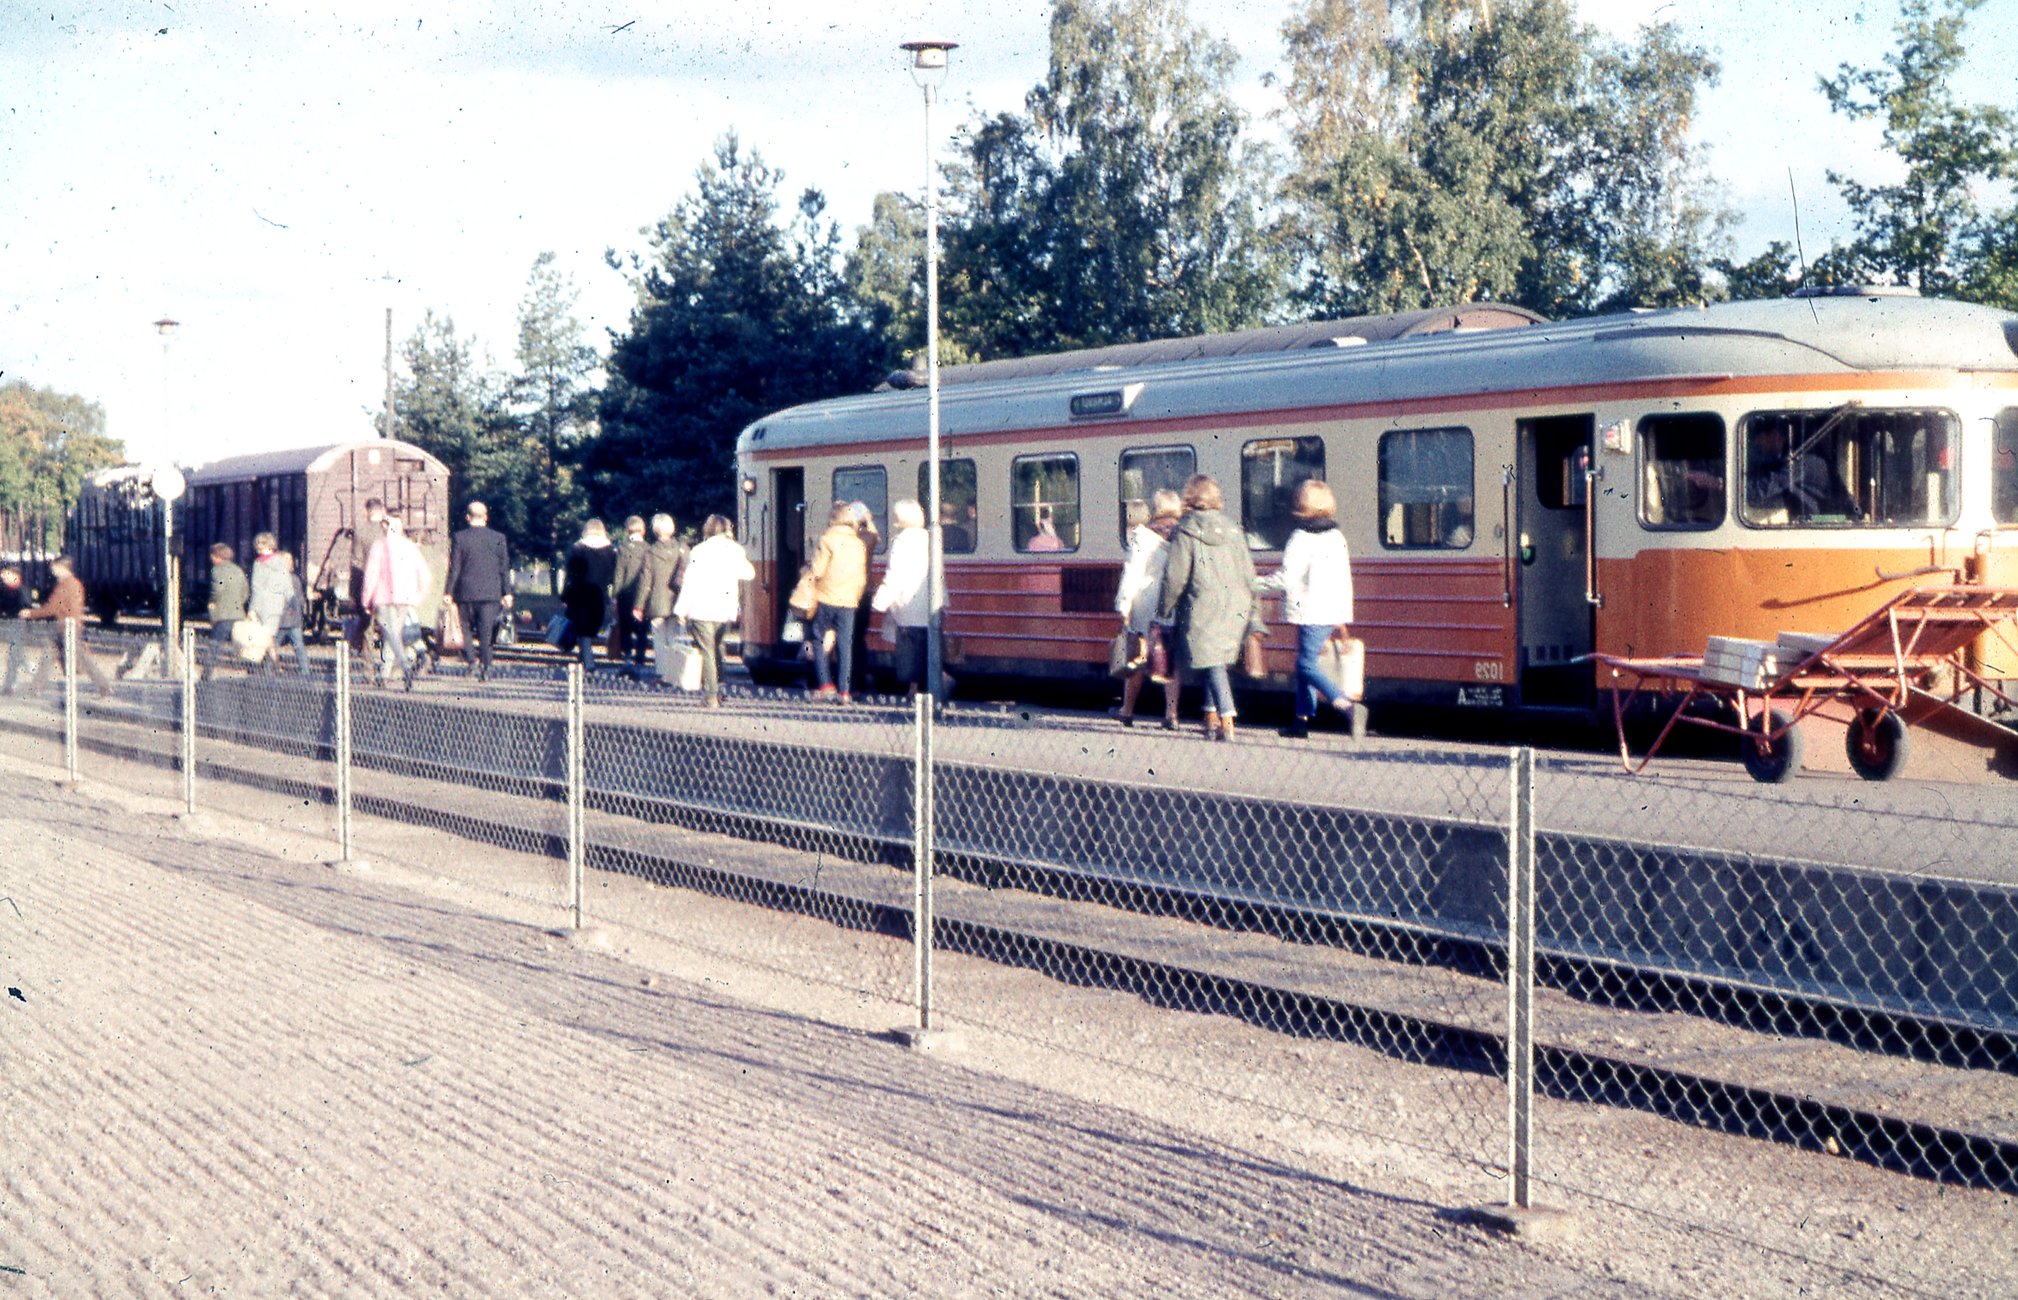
pixel 928 59
pixel 166 327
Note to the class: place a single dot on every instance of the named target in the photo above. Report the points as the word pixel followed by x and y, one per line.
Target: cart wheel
pixel 1771 761
pixel 1877 744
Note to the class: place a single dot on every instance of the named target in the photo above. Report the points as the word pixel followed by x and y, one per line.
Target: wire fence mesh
pixel 1825 964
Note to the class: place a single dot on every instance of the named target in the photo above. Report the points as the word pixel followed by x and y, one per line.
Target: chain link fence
pixel 1825 964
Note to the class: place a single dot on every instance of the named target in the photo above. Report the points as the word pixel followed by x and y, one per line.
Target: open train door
pixel 1558 619
pixel 788 546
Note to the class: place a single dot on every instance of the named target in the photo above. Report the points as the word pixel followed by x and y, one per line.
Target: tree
pixel 885 279
pixel 556 409
pixel 1502 152
pixel 736 316
pixel 1923 230
pixel 49 443
pixel 1125 206
pixel 453 405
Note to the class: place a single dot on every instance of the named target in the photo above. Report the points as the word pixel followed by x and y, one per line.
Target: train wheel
pixel 1877 745
pixel 1771 761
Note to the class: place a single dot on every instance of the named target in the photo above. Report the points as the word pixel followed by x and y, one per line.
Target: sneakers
pixel 825 694
pixel 846 698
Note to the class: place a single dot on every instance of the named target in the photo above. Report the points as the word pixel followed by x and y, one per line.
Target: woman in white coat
pixel 905 596
pixel 1150 524
pixel 711 597
pixel 1316 585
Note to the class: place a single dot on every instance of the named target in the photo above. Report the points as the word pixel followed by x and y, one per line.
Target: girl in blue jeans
pixel 1316 585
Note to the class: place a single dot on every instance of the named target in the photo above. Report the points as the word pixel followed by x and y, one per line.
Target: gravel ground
pixel 230 1069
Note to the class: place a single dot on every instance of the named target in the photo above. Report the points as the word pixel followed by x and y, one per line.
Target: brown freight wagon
pixel 311 498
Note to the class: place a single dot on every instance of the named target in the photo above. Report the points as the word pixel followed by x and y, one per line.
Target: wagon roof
pixel 298 460
pixel 1832 335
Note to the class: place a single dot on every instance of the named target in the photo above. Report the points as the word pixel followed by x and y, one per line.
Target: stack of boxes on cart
pixel 1756 665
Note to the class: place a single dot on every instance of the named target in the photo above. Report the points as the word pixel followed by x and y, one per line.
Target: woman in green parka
pixel 1208 597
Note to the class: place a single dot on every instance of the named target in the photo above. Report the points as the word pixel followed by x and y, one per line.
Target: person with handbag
pixel 904 597
pixel 1208 597
pixel 711 598
pixel 479 583
pixel 396 578
pixel 1150 524
pixel 1315 580
pixel 272 587
pixel 665 573
pixel 840 576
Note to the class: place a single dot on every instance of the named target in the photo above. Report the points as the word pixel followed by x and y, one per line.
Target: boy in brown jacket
pixel 65 602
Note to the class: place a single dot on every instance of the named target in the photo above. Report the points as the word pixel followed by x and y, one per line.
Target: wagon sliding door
pixel 1552 591
pixel 788 542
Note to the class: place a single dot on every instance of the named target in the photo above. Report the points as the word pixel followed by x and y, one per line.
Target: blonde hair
pixel 842 513
pixel 1166 505
pixel 1138 513
pixel 662 525
pixel 1201 492
pixel 1314 500
pixel 908 514
pixel 594 528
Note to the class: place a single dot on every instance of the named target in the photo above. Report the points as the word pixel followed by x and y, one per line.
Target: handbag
pixel 1159 655
pixel 802 600
pixel 559 630
pixel 1343 662
pixel 1252 661
pixel 449 636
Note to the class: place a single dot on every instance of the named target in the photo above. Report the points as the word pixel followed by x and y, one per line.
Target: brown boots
pixel 1217 727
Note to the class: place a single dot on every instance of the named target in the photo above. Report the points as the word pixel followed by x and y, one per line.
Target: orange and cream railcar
pixel 1516 493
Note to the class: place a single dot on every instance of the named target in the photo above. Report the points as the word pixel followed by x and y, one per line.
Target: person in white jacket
pixel 1316 585
pixel 905 596
pixel 711 598
pixel 396 578
pixel 1150 524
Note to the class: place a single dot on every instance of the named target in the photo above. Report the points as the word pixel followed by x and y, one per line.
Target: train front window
pixel 1426 497
pixel 2004 467
pixel 957 497
pixel 1149 470
pixel 1682 471
pixel 1270 471
pixel 1044 502
pixel 1848 468
pixel 870 485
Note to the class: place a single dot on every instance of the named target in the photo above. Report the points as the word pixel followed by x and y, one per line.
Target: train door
pixel 1557 619
pixel 788 496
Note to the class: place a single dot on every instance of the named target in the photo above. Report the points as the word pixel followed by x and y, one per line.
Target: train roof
pixel 300 460
pixel 1822 335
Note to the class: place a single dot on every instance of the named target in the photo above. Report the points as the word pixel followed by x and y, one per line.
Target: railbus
pixel 1517 494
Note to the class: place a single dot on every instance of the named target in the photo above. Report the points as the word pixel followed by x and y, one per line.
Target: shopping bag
pixel 1343 662
pixel 250 639
pixel 1253 662
pixel 449 635
pixel 675 657
pixel 1121 654
pixel 802 599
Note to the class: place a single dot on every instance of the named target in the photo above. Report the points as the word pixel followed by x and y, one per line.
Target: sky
pixel 276 174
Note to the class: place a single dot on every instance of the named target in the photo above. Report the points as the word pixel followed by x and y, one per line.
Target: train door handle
pixel 1592 596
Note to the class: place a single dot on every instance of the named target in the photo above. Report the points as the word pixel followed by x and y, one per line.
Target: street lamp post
pixel 167 486
pixel 928 69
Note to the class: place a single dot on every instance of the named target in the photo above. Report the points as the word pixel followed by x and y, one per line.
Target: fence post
pixel 70 648
pixel 577 782
pixel 344 749
pixel 1521 979
pixel 187 666
pixel 923 791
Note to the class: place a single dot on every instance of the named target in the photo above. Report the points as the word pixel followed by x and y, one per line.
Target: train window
pixel 1044 502
pixel 1681 471
pixel 1848 468
pixel 1426 488
pixel 1270 470
pixel 1145 471
pixel 2004 468
pixel 958 493
pixel 869 484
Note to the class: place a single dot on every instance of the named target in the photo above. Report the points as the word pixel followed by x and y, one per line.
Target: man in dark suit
pixel 479 581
